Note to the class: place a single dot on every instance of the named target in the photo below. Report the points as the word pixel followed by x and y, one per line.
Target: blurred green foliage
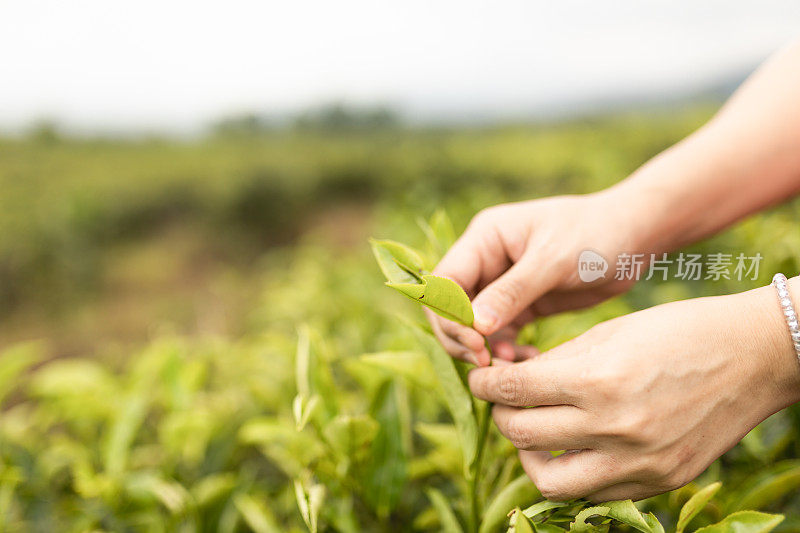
pixel 206 432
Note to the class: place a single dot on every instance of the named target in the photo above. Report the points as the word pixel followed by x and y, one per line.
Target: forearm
pixel 745 159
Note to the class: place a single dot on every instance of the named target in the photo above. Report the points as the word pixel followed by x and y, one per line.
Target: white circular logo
pixel 591 266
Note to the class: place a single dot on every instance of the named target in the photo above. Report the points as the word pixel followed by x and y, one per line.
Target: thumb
pixel 507 296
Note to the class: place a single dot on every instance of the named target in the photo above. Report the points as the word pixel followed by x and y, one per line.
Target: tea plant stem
pixel 483 432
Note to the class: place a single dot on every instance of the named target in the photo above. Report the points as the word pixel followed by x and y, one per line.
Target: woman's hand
pixel 648 400
pixel 520 260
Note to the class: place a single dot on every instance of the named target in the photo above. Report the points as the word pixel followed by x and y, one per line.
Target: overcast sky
pixel 174 65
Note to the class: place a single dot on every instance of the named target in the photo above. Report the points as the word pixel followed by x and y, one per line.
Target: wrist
pixel 641 215
pixel 767 326
pixel 678 197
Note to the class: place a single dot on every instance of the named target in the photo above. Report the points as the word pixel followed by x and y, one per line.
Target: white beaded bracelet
pixel 779 281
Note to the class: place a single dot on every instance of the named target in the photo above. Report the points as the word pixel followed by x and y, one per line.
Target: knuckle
pixel 510 386
pixel 482 217
pixel 603 384
pixel 507 291
pixel 553 489
pixel 676 479
pixel 518 433
pixel 627 426
pixel 662 473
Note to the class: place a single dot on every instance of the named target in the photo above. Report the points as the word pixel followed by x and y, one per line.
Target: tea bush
pixel 333 411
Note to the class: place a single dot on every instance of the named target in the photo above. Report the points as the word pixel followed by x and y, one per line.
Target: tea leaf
pixel 257 516
pixel 448 523
pixel 387 475
pixel 309 503
pixel 519 491
pixel 444 296
pixel 349 435
pixel 580 525
pixel 548 528
pixel 652 521
pixel 541 507
pixel 626 512
pixel 744 522
pixel 695 504
pixel 457 398
pixel 414 366
pixel 213 488
pixel 439 232
pixel 522 524
pixel 769 486
pixel 303 409
pixel 123 430
pixel 172 495
pixel 14 361
pixel 398 262
pixel 303 363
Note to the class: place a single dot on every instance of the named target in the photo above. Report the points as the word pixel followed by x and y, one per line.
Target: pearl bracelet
pixel 779 281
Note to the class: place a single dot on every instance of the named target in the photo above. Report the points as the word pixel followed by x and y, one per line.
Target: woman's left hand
pixel 645 402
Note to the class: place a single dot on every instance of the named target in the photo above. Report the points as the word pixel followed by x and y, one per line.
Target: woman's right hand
pixel 520 261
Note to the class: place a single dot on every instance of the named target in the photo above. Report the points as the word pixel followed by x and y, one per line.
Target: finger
pixel 504 350
pixel 500 302
pixel 472 258
pixel 459 351
pixel 509 351
pixel 570 475
pixel 462 334
pixel 523 352
pixel 558 427
pixel 451 343
pixel 555 302
pixel 623 491
pixel 451 346
pixel 537 381
pixel 504 344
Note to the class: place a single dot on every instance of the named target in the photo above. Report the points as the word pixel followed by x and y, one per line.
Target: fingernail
pixel 472 358
pixel 485 358
pixel 485 318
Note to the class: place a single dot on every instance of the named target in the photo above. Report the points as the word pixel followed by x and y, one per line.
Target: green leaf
pixel 768 487
pixel 439 232
pixel 398 262
pixel 443 229
pixel 349 435
pixel 309 502
pixel 652 521
pixel 522 524
pixel 172 495
pixel 444 296
pixel 388 471
pixel 518 492
pixel 457 398
pixel 128 419
pixel 414 366
pixel 547 528
pixel 302 363
pixel 626 512
pixel 580 525
pixel 744 522
pixel 14 361
pixel 303 409
pixel 696 504
pixel 448 523
pixel 213 488
pixel 541 507
pixel 257 516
